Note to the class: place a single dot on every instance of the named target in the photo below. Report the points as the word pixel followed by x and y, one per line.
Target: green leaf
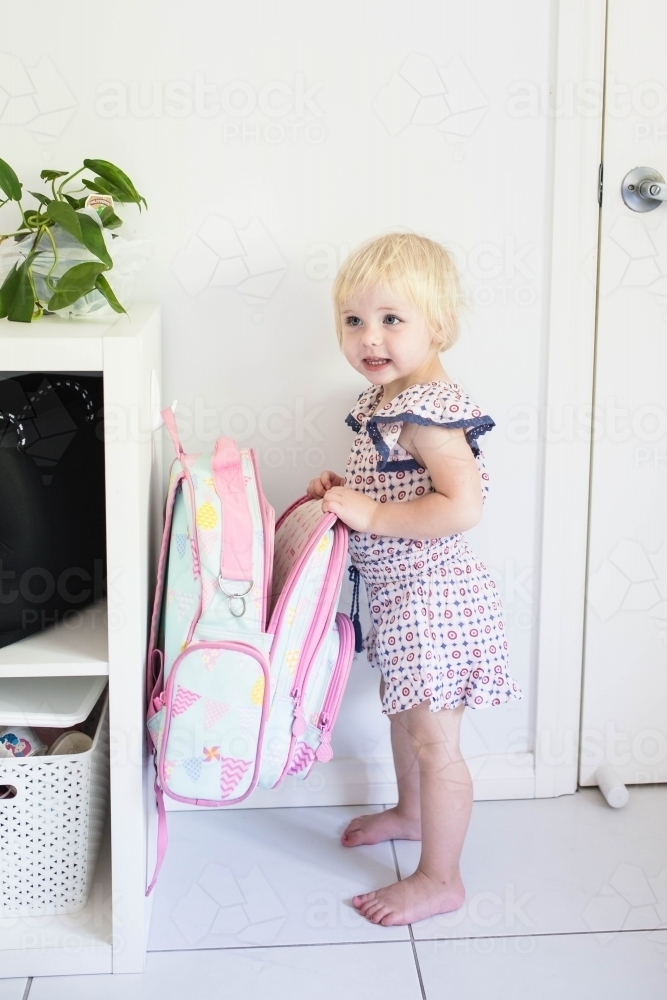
pixel 52 175
pixel 109 218
pixel 103 286
pixel 66 217
pixel 8 291
pixel 82 227
pixel 17 295
pixel 75 202
pixel 41 198
pixel 22 308
pixel 75 283
pixel 93 239
pixel 113 175
pixel 103 187
pixel 96 185
pixel 9 182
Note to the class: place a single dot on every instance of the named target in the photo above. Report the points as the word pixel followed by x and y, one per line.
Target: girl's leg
pixel 403 821
pixel 446 803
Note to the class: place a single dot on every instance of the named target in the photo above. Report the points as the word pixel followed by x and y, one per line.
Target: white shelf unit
pixel 56 702
pixel 71 944
pixel 71 648
pixel 109 935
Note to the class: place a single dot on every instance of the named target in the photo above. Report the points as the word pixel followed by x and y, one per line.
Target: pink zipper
pixel 268 531
pixel 318 631
pixel 334 695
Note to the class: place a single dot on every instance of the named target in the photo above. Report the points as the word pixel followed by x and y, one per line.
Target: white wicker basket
pixel 50 831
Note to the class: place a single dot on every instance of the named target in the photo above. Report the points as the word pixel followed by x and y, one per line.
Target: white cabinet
pixel 109 934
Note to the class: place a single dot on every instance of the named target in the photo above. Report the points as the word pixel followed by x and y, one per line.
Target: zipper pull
pixel 299 724
pixel 354 610
pixel 160 701
pixel 324 752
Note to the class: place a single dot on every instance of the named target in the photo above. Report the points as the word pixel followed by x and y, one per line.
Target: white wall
pixel 332 153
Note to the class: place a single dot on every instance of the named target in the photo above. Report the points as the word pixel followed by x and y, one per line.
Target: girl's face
pixel 384 336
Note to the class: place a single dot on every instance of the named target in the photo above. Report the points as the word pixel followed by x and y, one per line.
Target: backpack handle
pixel 237 530
pixel 170 423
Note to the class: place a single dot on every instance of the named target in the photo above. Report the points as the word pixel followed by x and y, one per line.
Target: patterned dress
pixel 437 627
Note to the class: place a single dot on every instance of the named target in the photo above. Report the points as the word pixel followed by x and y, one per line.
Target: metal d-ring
pixel 241 596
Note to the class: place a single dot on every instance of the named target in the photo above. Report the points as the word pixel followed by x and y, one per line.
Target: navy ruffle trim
pixel 473 427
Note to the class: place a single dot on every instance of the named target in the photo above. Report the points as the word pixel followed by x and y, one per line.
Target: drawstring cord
pixel 354 610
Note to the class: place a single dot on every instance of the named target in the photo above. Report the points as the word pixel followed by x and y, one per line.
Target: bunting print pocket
pixel 215 706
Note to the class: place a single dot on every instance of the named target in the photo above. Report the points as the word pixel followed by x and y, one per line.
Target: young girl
pixel 415 481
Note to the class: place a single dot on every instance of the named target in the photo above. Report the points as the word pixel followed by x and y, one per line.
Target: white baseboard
pixel 350 781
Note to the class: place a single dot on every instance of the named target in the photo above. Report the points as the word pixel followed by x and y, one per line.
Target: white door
pixel 625 667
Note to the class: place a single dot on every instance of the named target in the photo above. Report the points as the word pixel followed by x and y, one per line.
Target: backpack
pixel 248 659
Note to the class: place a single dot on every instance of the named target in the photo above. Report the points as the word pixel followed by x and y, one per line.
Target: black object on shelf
pixel 52 525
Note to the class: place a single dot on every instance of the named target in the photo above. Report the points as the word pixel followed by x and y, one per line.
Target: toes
pixel 352 833
pixel 351 838
pixel 372 907
pixel 379 914
pixel 366 897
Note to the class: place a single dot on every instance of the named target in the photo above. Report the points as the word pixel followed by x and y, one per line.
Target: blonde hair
pixel 418 269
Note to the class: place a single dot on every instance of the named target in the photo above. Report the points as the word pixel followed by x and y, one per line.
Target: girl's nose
pixel 372 336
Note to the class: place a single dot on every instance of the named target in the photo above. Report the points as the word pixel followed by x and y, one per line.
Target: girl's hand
pixel 355 509
pixel 318 487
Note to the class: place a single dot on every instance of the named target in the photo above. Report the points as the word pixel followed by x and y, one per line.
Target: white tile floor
pixel 566 897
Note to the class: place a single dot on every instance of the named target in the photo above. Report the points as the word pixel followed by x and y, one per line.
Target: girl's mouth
pixel 375 364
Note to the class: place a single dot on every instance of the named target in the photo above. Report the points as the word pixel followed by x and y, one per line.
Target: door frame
pixel 569 395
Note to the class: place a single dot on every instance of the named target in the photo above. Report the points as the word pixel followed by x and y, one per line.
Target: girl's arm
pixel 455 506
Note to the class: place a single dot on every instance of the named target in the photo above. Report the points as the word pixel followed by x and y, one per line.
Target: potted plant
pixel 63 248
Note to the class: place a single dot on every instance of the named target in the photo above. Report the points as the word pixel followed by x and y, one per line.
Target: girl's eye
pixel 352 320
pixel 391 316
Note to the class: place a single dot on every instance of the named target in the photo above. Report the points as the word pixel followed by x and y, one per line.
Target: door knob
pixel 643 189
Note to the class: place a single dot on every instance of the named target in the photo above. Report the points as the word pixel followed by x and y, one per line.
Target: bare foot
pixel 387 825
pixel 412 899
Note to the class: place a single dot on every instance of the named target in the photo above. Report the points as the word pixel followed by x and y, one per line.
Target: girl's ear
pixel 437 340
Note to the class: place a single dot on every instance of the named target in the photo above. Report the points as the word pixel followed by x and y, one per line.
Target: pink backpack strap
pixel 170 424
pixel 237 531
pixel 162 835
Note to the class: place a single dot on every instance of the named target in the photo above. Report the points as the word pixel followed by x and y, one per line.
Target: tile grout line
pixel 28 986
pixel 271 947
pixel 546 934
pixel 412 937
pixel 340 944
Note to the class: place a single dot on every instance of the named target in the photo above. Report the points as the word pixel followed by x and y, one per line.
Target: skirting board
pixel 350 781
pixel 74 961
